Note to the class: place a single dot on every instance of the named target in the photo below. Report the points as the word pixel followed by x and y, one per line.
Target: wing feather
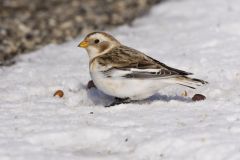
pixel 129 63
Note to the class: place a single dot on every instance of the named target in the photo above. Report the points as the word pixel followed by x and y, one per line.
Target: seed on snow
pixel 58 93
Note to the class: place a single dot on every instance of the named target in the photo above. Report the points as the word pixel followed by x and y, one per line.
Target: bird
pixel 128 74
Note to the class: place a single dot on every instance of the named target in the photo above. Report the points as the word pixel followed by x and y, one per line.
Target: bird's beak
pixel 84 44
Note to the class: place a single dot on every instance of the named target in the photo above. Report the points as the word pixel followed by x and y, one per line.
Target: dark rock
pixel 198 97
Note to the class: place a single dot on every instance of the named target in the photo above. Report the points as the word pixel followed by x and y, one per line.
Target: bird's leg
pixel 119 101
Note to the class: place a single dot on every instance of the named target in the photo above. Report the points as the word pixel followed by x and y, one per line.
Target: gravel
pixel 30 24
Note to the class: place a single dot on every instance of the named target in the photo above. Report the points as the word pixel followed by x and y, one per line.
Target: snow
pixel 197 36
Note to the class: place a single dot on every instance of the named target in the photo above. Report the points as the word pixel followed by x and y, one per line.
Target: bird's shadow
pixel 99 98
pixel 167 98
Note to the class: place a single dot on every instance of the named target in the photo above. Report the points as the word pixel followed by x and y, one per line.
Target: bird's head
pixel 98 43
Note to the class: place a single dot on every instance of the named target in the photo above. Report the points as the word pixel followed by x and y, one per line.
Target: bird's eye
pixel 96 41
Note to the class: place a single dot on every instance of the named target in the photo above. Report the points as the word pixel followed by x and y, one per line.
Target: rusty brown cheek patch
pixel 103 47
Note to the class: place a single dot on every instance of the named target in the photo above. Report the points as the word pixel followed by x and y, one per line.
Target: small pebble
pixel 198 97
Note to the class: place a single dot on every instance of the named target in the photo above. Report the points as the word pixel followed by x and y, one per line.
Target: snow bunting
pixel 128 74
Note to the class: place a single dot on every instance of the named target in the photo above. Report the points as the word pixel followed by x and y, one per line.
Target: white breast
pixel 135 89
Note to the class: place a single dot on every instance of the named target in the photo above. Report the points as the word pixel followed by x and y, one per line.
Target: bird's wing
pixel 126 62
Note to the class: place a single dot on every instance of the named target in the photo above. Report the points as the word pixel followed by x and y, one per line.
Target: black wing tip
pixel 187 86
pixel 199 80
pixel 186 73
pixel 178 71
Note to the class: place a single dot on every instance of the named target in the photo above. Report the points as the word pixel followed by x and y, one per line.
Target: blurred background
pixel 26 25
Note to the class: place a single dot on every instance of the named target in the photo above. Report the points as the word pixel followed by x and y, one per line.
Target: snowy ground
pixel 197 36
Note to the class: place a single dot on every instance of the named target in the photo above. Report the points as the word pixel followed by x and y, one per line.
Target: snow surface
pixel 197 36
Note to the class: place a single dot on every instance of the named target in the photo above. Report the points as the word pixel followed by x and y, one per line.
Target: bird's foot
pixel 91 84
pixel 119 101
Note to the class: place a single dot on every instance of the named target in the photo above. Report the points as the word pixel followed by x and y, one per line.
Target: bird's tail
pixel 190 82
